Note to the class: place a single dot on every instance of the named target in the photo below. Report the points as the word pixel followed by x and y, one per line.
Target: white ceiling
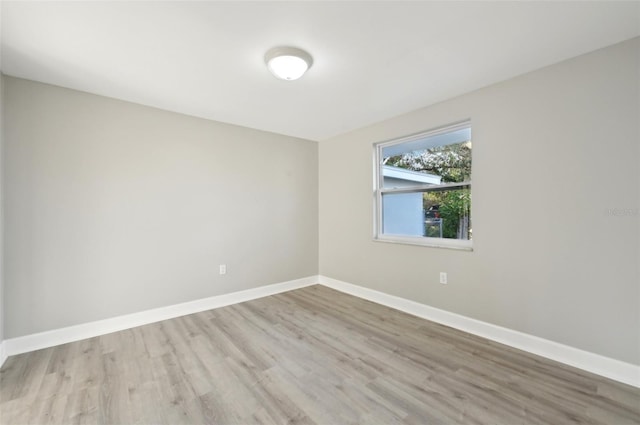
pixel 372 60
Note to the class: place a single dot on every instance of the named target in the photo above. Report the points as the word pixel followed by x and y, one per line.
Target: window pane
pixel 402 214
pixel 438 214
pixel 447 214
pixel 431 166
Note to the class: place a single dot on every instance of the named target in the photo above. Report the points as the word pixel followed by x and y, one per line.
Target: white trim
pixel 443 187
pixel 3 353
pixel 590 362
pixel 23 344
pixel 460 244
pixel 417 140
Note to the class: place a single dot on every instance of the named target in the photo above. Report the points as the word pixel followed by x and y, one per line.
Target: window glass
pixel 423 187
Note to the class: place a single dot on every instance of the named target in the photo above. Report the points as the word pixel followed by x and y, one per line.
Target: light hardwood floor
pixel 311 355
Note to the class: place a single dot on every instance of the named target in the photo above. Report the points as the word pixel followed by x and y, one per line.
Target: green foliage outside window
pixel 455 208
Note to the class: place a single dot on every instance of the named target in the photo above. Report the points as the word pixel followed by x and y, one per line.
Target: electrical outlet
pixel 223 269
pixel 443 278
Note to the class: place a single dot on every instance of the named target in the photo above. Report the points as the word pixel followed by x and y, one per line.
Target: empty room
pixel 320 212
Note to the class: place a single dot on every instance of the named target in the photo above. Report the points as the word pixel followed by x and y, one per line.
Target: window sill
pixel 459 245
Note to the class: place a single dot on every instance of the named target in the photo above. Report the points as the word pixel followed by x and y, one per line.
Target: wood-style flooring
pixel 312 355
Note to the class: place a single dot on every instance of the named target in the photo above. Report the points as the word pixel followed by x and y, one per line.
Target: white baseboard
pixel 590 362
pixel 23 344
pixel 3 353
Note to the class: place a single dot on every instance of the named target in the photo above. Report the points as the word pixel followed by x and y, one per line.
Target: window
pixel 423 188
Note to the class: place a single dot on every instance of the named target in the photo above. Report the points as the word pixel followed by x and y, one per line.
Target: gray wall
pixel 114 208
pixel 554 150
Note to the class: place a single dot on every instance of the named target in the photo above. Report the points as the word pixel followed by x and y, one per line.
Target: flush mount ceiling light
pixel 288 63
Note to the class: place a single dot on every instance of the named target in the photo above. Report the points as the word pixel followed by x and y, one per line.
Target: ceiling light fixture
pixel 288 63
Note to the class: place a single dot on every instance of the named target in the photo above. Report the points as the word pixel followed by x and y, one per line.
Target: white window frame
pixel 379 190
